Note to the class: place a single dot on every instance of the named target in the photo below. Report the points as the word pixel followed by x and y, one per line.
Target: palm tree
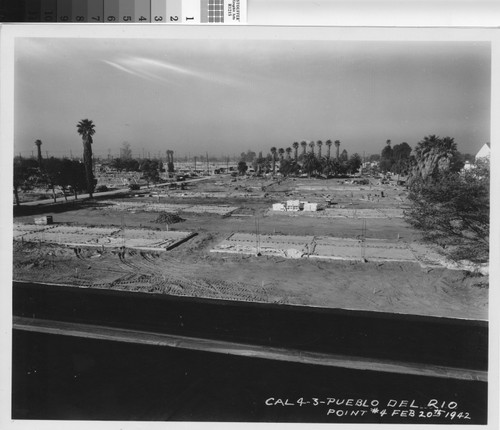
pixel 311 145
pixel 288 153
pixel 311 164
pixel 319 144
pixel 304 146
pixel 86 129
pixel 273 154
pixel 38 144
pixel 328 143
pixel 170 161
pixel 433 154
pixel 296 149
pixel 281 152
pixel 386 158
pixel 337 145
pixel 331 167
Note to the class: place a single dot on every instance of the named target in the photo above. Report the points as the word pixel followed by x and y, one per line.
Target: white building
pixel 310 207
pixel 293 205
pixel 484 152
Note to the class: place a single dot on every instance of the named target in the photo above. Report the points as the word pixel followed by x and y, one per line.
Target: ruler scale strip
pixel 190 11
pixel 142 11
pixel 95 11
pixel 79 11
pixel 32 11
pixel 127 11
pixel 159 11
pixel 64 11
pixel 48 11
pixel 111 11
pixel 174 11
pixel 216 11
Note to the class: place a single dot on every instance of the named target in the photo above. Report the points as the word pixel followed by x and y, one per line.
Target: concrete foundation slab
pixel 23 229
pixel 326 247
pixel 345 213
pixel 218 210
pixel 172 208
pixel 141 239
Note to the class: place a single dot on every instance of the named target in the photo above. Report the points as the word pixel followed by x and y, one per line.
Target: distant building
pixel 293 205
pixel 484 152
pixel 310 207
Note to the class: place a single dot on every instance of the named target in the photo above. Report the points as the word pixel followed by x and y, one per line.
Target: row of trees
pixel 136 165
pixel 396 159
pixel 310 162
pixel 400 159
pixel 251 156
pixel 315 165
pixel 52 172
pixel 69 175
pixel 63 173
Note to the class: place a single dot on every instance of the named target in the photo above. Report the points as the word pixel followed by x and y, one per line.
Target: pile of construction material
pixel 295 206
pixel 168 218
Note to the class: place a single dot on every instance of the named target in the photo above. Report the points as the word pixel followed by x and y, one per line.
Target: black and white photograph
pixel 250 225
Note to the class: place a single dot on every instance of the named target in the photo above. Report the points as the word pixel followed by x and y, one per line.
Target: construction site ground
pixel 220 208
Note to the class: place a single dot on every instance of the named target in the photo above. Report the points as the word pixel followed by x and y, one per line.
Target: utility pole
pixel 257 236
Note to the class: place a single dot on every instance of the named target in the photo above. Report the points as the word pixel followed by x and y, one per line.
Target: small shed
pixel 310 207
pixel 44 220
pixel 293 205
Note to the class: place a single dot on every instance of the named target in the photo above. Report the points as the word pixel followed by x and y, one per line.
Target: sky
pixel 224 97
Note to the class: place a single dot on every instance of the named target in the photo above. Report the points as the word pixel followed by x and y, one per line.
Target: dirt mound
pixel 168 218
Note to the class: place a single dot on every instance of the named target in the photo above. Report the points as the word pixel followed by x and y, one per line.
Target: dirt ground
pixel 192 270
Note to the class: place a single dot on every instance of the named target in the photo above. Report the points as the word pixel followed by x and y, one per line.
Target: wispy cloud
pixel 167 72
pixel 144 74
